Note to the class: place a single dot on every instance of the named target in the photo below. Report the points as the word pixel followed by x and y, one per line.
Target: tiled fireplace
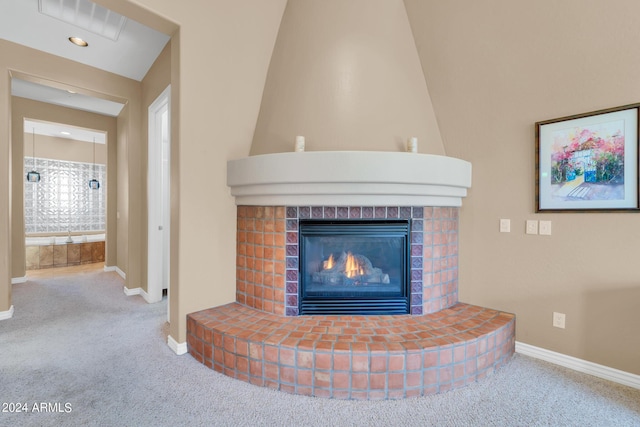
pixel 268 249
pixel 263 339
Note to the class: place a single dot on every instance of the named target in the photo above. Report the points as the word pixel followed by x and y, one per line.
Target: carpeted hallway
pixel 94 356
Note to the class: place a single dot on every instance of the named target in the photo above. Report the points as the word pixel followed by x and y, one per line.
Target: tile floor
pixel 65 271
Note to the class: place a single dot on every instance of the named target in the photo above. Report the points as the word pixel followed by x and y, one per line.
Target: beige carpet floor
pixel 78 352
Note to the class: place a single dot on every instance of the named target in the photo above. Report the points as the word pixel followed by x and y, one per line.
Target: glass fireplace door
pixel 354 267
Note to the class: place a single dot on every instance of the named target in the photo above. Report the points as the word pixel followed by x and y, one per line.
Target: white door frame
pixel 158 197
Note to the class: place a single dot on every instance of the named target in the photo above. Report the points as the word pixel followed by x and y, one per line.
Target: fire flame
pixel 328 264
pixel 352 267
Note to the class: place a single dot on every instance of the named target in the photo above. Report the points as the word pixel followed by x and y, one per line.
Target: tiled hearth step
pixel 353 357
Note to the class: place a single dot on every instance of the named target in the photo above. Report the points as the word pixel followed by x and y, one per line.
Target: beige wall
pixel 39 67
pixel 62 149
pixel 5 187
pixel 58 148
pixel 347 76
pixel 156 80
pixel 219 59
pixel 122 215
pixel 493 69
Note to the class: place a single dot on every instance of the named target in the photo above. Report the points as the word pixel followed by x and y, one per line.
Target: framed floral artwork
pixel 588 162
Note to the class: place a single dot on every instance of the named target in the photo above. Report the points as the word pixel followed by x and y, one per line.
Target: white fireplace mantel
pixel 345 178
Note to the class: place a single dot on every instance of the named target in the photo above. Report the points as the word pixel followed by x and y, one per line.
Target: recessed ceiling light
pixel 78 41
pixel 65 133
pixel 85 14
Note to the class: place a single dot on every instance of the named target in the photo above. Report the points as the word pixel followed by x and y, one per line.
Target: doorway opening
pixel 64 216
pixel 158 191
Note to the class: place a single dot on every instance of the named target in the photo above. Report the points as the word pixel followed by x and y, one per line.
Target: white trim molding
pixel 319 178
pixel 4 315
pixel 147 297
pixel 139 291
pixel 117 270
pixel 178 348
pixel 131 292
pixel 584 366
pixel 17 280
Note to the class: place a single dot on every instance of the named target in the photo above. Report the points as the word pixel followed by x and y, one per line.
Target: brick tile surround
pixel 353 357
pixel 267 248
pixel 260 339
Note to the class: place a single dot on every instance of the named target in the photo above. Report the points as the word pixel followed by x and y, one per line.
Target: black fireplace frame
pixel 357 305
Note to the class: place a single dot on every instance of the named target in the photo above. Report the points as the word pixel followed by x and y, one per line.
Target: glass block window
pixel 62 201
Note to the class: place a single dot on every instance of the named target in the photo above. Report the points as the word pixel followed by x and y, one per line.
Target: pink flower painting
pixel 589 161
pixel 589 155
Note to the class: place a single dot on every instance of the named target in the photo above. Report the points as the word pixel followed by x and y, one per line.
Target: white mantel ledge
pixel 348 178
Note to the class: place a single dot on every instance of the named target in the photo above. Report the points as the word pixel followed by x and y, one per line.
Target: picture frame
pixel 588 162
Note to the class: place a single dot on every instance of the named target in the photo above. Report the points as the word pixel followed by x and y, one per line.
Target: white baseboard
pixel 16 280
pixel 117 270
pixel 139 291
pixel 584 366
pixel 4 315
pixel 177 347
pixel 130 292
pixel 146 296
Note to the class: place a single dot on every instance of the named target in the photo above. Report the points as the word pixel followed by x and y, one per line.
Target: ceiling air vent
pixel 86 15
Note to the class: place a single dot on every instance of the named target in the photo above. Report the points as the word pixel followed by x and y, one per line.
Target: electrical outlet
pixel 532 226
pixel 559 320
pixel 505 225
pixel 545 228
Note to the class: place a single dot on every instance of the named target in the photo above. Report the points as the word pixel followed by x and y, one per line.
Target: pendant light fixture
pixel 94 184
pixel 33 176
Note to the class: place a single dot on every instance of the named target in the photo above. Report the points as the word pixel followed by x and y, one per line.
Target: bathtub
pixel 62 240
pixel 57 251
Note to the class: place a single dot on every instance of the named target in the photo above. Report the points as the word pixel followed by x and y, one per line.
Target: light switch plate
pixel 532 226
pixel 545 228
pixel 559 320
pixel 505 225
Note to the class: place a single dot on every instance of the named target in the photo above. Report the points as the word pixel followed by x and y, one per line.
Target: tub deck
pixel 58 253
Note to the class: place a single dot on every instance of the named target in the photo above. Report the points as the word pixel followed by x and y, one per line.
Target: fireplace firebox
pixel 354 267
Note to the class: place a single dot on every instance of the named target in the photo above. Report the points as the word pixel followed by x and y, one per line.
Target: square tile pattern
pixel 267 253
pixel 260 339
pixel 39 257
pixel 62 201
pixel 353 357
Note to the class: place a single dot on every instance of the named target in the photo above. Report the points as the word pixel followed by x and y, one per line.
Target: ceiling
pixel 50 95
pixel 117 44
pixel 57 130
pixel 131 54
